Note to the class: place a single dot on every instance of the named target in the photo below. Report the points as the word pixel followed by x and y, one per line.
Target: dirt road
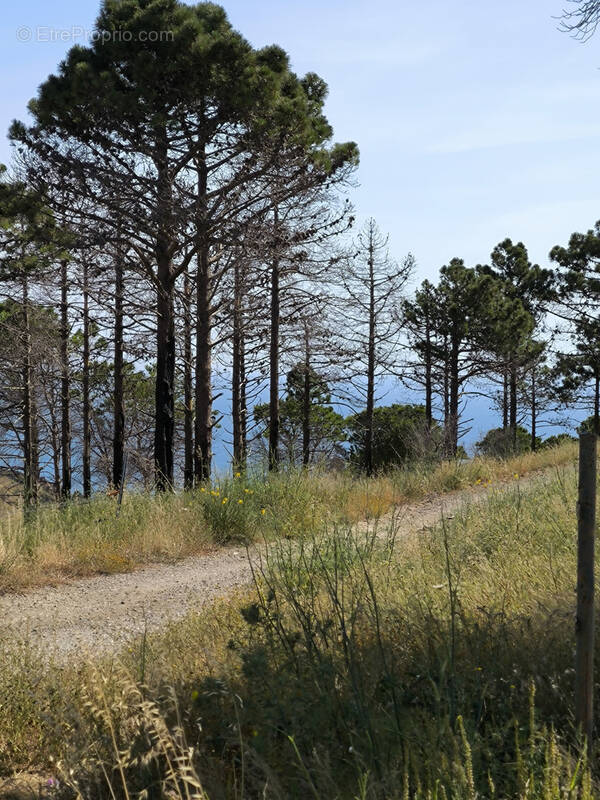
pixel 100 614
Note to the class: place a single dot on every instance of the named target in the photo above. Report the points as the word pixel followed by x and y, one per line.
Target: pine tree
pixel 466 302
pixel 527 289
pixel 420 321
pixel 30 244
pixel 169 140
pixel 373 283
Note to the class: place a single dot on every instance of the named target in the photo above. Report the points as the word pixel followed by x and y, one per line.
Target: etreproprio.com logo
pixel 46 33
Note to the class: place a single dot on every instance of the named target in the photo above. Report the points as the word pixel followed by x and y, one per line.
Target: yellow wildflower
pixel 240 502
pixel 238 474
pixel 263 511
pixel 224 501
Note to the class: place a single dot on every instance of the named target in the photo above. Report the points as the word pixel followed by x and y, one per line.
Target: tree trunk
pixel 164 426
pixel 203 422
pixel 118 443
pixel 428 379
pixel 188 394
pixel 65 385
pixel 29 459
pixel 274 353
pixel 446 390
pixel 505 399
pixel 165 374
pixel 55 440
pixel 533 410
pixel 35 441
pixel 237 375
pixel 86 434
pixel 306 400
pixel 370 409
pixel 203 427
pixel 513 405
pixel 454 399
pixel 597 404
pixel 243 402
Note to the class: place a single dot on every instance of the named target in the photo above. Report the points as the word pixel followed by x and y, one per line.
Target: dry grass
pixel 366 499
pixel 86 538
pixel 357 668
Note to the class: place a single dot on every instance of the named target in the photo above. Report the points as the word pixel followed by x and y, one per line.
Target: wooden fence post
pixel 584 624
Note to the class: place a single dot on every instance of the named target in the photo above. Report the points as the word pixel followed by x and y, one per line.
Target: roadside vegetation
pixel 361 665
pixel 86 537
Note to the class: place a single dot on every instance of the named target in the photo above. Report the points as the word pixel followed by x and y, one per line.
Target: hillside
pixel 440 657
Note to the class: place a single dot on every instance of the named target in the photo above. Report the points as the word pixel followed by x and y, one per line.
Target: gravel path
pixel 102 613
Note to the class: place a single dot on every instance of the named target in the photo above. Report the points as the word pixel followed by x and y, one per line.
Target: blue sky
pixel 475 120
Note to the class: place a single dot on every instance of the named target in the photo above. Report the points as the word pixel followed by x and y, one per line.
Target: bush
pixel 588 424
pixel 558 440
pixel 400 436
pixel 498 443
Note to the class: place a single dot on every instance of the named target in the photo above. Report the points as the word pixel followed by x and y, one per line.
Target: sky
pixel 475 120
